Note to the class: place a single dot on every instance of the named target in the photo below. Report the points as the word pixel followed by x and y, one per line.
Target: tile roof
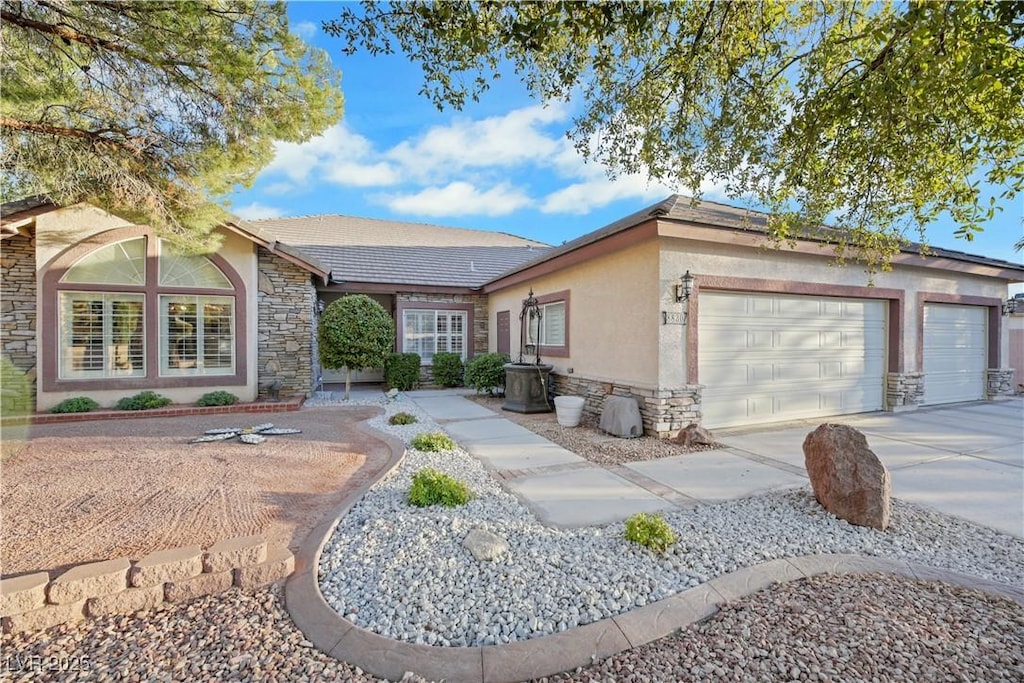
pixel 392 252
pixel 712 214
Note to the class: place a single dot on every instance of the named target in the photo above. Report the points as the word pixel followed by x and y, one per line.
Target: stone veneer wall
pixel 663 411
pixel 18 306
pixel 904 390
pixel 999 382
pixel 286 301
pixel 480 311
pixel 32 601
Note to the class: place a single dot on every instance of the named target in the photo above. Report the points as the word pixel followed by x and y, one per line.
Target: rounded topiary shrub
pixel 486 372
pixel 355 333
pixel 431 487
pixel 402 370
pixel 217 398
pixel 144 400
pixel 433 441
pixel 650 531
pixel 77 404
pixel 447 369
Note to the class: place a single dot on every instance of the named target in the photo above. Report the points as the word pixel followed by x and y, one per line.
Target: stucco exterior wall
pixel 706 259
pixel 63 229
pixel 613 316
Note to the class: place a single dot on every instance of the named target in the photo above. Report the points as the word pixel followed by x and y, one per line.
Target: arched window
pixel 137 308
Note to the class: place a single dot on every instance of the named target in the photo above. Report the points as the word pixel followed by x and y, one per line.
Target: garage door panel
pixel 954 353
pixel 788 357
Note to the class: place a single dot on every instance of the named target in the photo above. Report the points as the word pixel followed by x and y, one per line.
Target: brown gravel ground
pixel 828 628
pixel 586 440
pixel 86 491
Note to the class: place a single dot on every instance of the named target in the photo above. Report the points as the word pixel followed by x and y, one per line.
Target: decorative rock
pixel 89 580
pixel 235 552
pixel 847 477
pixel 23 593
pixel 204 584
pixel 693 435
pixel 45 617
pixel 484 545
pixel 165 566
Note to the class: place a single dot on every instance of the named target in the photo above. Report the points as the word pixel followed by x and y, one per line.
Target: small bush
pixel 144 400
pixel 447 369
pixel 402 370
pixel 78 404
pixel 217 398
pixel 433 441
pixel 430 487
pixel 486 372
pixel 402 419
pixel 651 531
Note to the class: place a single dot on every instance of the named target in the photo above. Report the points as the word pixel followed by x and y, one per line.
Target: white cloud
pixel 255 211
pixel 594 193
pixel 515 139
pixel 281 188
pixel 338 155
pixel 459 199
pixel 305 29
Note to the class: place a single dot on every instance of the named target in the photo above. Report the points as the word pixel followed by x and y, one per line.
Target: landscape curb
pixel 547 655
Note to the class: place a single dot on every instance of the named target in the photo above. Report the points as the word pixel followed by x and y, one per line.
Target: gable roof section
pixel 679 209
pixel 367 250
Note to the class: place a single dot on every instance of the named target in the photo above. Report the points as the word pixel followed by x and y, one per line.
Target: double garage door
pixel 774 357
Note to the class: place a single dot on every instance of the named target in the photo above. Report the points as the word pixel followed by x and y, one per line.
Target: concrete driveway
pixel 966 459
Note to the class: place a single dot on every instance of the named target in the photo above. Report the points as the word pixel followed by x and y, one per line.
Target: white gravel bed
pixel 402 572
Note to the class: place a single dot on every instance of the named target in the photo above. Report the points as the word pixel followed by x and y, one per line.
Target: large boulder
pixel 847 477
pixel 692 436
pixel 485 545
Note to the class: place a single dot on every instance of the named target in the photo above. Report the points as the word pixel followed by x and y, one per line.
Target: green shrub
pixel 430 487
pixel 402 370
pixel 402 419
pixel 217 398
pixel 486 372
pixel 651 531
pixel 355 332
pixel 144 400
pixel 78 404
pixel 447 369
pixel 433 441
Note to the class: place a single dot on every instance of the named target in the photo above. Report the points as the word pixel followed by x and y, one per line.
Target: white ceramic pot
pixel 568 410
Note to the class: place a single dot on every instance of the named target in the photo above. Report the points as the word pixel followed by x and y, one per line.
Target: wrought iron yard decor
pixel 526 382
pixel 529 319
pixel 250 435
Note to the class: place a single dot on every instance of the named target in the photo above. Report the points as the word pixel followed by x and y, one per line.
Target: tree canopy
pixel 154 110
pixel 355 333
pixel 872 117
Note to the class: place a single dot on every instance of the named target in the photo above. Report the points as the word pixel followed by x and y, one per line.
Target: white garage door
pixel 955 353
pixel 768 358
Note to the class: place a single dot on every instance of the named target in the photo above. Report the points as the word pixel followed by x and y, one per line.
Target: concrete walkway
pixel 966 460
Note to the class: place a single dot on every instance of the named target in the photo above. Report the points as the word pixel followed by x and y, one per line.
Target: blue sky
pixel 501 164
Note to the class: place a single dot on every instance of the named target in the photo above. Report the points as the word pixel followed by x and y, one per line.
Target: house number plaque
pixel 671 318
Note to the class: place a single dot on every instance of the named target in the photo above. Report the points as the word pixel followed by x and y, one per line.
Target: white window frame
pixel 542 330
pixel 416 341
pixel 167 368
pixel 107 333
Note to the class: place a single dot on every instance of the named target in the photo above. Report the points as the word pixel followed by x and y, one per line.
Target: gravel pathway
pixel 849 628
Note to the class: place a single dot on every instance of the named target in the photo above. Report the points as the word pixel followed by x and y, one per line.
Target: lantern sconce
pixel 684 289
pixel 1009 306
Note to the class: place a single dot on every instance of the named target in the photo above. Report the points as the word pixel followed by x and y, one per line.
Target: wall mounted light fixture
pixel 685 288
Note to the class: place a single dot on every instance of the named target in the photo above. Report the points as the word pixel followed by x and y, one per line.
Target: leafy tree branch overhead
pixel 153 110
pixel 874 118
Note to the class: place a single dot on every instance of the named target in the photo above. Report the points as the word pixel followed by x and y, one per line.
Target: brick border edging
pixel 338 637
pixel 31 602
pixel 285 406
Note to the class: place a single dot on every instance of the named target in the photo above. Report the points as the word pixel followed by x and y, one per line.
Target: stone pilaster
pixel 18 306
pixel 286 303
pixel 999 382
pixel 904 391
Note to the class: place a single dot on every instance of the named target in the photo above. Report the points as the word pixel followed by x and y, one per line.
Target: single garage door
pixel 955 353
pixel 773 357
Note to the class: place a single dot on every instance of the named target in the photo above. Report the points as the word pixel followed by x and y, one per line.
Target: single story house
pixel 94 305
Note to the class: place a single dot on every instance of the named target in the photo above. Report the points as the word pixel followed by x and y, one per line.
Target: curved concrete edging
pixel 548 655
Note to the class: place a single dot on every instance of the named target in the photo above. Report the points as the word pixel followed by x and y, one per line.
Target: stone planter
pixel 526 388
pixel 569 410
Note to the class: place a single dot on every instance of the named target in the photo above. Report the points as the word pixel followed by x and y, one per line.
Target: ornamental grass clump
pixel 402 419
pixel 650 531
pixel 431 487
pixel 433 441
